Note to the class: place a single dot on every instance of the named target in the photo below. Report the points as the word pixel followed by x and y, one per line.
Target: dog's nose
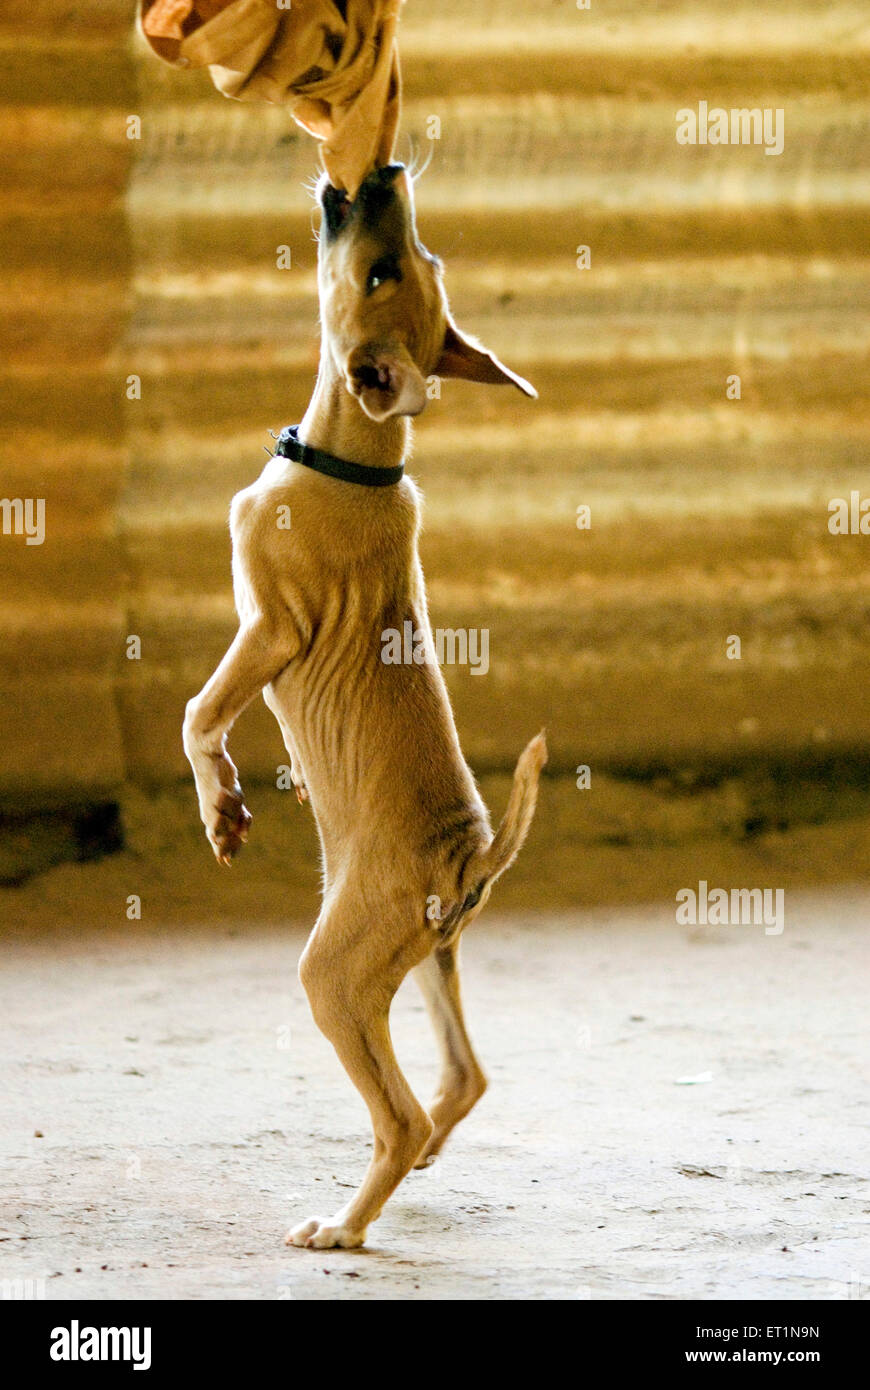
pixel 377 193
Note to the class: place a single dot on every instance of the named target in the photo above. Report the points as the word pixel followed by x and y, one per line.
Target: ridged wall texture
pixel 555 129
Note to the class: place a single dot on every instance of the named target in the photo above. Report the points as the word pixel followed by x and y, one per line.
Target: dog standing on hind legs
pixel 373 745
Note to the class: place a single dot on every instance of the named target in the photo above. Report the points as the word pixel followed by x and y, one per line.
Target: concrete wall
pixel 66 252
pixel 557 129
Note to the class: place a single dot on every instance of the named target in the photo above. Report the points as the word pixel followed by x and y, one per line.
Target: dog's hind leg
pixel 462 1080
pixel 350 990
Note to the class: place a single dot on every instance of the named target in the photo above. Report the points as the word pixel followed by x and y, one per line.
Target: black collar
pixel 289 446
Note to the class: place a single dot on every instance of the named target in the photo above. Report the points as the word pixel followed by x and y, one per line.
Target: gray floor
pixel 188 1112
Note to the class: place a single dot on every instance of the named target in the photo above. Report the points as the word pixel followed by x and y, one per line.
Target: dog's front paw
pixel 318 1234
pixel 229 825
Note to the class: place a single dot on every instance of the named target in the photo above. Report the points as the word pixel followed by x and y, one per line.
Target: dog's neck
pixel 336 422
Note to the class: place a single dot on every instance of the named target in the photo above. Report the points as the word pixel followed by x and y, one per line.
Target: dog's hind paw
pixel 318 1234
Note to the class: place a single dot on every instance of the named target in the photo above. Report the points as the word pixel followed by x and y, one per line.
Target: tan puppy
pixel 408 854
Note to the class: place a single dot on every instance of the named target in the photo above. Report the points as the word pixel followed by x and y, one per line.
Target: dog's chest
pixel 333 548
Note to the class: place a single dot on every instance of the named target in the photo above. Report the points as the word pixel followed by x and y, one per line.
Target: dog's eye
pixel 387 268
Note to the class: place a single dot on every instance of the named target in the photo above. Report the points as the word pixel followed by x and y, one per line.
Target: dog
pixel 408 854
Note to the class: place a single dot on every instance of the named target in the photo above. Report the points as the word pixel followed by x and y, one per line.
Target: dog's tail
pixel 507 841
pixel 485 865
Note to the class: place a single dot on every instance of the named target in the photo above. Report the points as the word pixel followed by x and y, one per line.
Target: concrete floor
pixel 169 1110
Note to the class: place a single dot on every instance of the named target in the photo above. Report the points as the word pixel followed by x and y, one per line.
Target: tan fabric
pixel 335 62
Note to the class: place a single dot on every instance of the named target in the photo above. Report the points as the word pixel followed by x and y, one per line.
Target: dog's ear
pixel 462 357
pixel 386 382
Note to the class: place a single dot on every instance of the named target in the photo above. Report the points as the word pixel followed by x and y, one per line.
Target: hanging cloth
pixel 335 63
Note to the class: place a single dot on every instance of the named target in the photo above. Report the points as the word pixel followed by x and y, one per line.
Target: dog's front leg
pixel 257 655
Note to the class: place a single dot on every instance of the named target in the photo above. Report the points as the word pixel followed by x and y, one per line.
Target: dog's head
pixel 383 308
